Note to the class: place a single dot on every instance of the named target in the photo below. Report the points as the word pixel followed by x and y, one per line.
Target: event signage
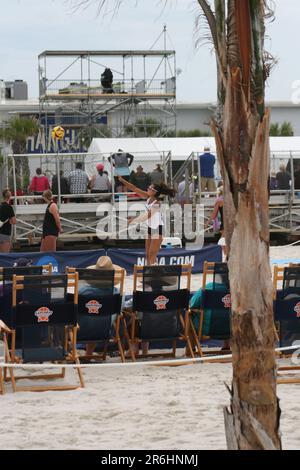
pixel 126 258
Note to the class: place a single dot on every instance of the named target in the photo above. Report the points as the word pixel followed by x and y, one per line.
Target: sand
pixel 137 407
pixel 145 408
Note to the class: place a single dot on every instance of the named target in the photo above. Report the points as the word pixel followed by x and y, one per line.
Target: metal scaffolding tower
pixel 141 100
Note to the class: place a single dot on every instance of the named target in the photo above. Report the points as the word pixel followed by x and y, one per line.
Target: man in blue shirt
pixel 207 163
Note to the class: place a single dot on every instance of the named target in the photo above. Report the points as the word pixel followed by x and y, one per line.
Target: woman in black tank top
pixel 51 224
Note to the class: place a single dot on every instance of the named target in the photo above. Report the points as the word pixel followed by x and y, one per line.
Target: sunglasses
pixel 152 189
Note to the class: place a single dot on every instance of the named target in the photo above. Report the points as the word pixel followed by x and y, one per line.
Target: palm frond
pixel 211 20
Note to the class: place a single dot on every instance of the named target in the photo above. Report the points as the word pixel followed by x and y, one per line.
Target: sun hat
pixel 104 263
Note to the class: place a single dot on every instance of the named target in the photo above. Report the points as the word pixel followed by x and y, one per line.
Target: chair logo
pixel 43 314
pixel 93 306
pixel 297 309
pixel 161 302
pixel 227 301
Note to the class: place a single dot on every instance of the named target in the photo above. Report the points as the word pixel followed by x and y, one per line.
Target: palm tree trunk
pixel 252 421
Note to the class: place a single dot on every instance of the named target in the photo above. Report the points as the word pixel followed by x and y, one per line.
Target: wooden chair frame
pixel 120 276
pixel 70 340
pixel 278 273
pixel 134 340
pixel 47 270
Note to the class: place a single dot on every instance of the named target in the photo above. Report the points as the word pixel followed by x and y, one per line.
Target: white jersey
pixel 156 219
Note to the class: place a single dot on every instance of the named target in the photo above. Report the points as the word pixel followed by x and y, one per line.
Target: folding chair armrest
pixel 4 328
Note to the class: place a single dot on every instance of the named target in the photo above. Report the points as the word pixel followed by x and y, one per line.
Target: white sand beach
pixel 137 407
pixel 140 407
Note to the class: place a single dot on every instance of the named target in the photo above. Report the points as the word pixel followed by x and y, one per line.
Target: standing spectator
pixel 51 224
pixel 7 219
pixel 157 175
pixel 121 162
pixel 78 181
pixel 139 178
pixel 39 183
pixel 207 163
pixel 100 183
pixel 283 177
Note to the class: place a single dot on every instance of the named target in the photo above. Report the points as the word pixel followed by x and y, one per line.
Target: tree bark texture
pixel 243 149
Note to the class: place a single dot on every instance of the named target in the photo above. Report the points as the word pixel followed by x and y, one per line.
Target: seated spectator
pixel 273 181
pixel 140 179
pixel 78 182
pixel 297 177
pixel 100 183
pixel 157 175
pixel 92 288
pixel 283 178
pixel 196 303
pixel 64 185
pixel 39 183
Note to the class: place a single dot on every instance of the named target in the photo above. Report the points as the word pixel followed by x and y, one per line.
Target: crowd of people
pixel 78 181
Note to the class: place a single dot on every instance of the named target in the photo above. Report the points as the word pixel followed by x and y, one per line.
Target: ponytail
pixel 163 189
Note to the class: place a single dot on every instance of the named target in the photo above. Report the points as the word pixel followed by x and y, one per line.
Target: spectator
pixel 207 163
pixel 107 80
pixel 139 178
pixel 157 175
pixel 273 181
pixel 51 224
pixel 283 178
pixel 104 263
pixel 64 185
pixel 39 183
pixel 196 304
pixel 100 183
pixel 7 219
pixel 78 181
pixel 297 177
pixel 121 162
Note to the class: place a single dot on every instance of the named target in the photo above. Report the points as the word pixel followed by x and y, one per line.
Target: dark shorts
pixel 155 231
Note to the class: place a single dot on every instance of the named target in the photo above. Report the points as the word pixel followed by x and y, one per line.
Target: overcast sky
pixel 29 27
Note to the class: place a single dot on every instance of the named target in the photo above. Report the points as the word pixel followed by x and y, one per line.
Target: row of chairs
pixel 43 318
pixel 43 323
pixel 216 303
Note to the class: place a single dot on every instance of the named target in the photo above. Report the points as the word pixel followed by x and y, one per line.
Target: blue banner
pixel 58 259
pixel 127 258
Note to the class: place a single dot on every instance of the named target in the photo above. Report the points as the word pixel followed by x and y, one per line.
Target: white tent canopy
pixel 181 148
pixel 149 151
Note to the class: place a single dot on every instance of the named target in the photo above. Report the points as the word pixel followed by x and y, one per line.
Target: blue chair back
pixel 161 301
pixel 287 307
pixel 216 303
pixel 99 301
pixel 42 316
